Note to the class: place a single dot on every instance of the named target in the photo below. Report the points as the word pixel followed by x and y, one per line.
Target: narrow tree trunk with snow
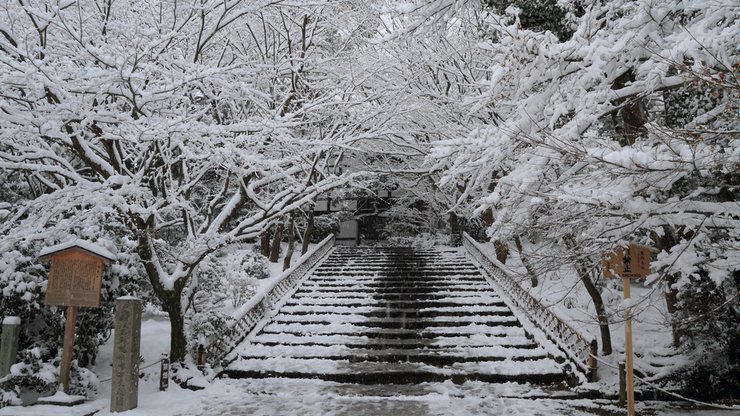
pixel 265 242
pixel 665 242
pixel 525 262
pixel 593 292
pixel 309 230
pixel 291 241
pixel 606 337
pixel 170 298
pixel 275 249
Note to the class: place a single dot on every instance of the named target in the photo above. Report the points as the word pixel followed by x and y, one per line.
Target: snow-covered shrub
pixel 324 226
pixel 22 288
pixel 423 240
pixel 240 289
pixel 30 372
pixel 208 289
pixel 710 333
pixel 246 267
pixel 204 327
pixel 254 265
pixel 83 382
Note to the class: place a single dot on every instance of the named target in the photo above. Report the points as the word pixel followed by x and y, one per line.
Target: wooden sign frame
pixel 634 262
pixel 75 279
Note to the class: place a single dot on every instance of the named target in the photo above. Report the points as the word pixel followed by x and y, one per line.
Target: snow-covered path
pixel 263 397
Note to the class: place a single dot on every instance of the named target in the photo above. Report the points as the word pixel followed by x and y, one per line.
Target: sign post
pixel 75 279
pixel 629 264
pixel 630 382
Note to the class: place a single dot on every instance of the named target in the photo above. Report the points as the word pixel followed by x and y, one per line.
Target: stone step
pixel 438 357
pixel 396 271
pixel 387 296
pixel 341 313
pixel 398 344
pixel 380 286
pixel 511 337
pixel 404 323
pixel 405 333
pixel 367 372
pixel 399 304
pixel 427 278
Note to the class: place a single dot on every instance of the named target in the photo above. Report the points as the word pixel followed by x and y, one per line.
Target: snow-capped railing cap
pixel 84 245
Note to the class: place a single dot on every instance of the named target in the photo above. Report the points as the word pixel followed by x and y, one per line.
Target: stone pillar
pixel 9 343
pixel 125 383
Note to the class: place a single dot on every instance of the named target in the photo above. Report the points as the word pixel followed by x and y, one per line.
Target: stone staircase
pixel 390 315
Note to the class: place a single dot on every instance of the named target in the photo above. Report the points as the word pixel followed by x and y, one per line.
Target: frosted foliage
pixel 190 126
pixel 626 126
pixel 625 130
pixel 246 267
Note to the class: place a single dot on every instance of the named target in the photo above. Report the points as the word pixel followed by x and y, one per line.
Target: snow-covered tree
pixel 190 125
pixel 588 148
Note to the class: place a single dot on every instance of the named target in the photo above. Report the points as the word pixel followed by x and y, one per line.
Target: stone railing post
pixel 9 343
pixel 125 383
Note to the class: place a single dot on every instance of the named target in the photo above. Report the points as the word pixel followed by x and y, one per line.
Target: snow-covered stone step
pixel 405 323
pixel 302 295
pixel 337 286
pixel 474 300
pixel 443 356
pixel 299 350
pixel 350 313
pixel 390 312
pixel 543 370
pixel 433 271
pixel 390 276
pixel 363 319
pixel 512 337
pixel 350 328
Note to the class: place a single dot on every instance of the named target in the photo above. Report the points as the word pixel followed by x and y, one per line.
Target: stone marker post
pixel 9 343
pixel 125 383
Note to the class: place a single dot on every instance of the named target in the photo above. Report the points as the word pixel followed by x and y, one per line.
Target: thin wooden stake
pixel 67 347
pixel 622 385
pixel 628 351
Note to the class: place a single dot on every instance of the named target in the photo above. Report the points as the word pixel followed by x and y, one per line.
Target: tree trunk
pixel 502 251
pixel 606 336
pixel 455 230
pixel 525 261
pixel 307 233
pixel 275 249
pixel 593 292
pixel 665 242
pixel 265 242
pixel 178 342
pixel 171 299
pixel 291 241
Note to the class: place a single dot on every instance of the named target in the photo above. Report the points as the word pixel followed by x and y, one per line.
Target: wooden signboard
pixel 75 278
pixel 634 262
pixel 630 263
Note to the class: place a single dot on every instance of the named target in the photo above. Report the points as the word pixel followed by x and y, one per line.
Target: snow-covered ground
pixel 315 397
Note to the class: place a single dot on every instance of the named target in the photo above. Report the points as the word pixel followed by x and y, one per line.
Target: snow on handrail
pixel 579 348
pixel 259 305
